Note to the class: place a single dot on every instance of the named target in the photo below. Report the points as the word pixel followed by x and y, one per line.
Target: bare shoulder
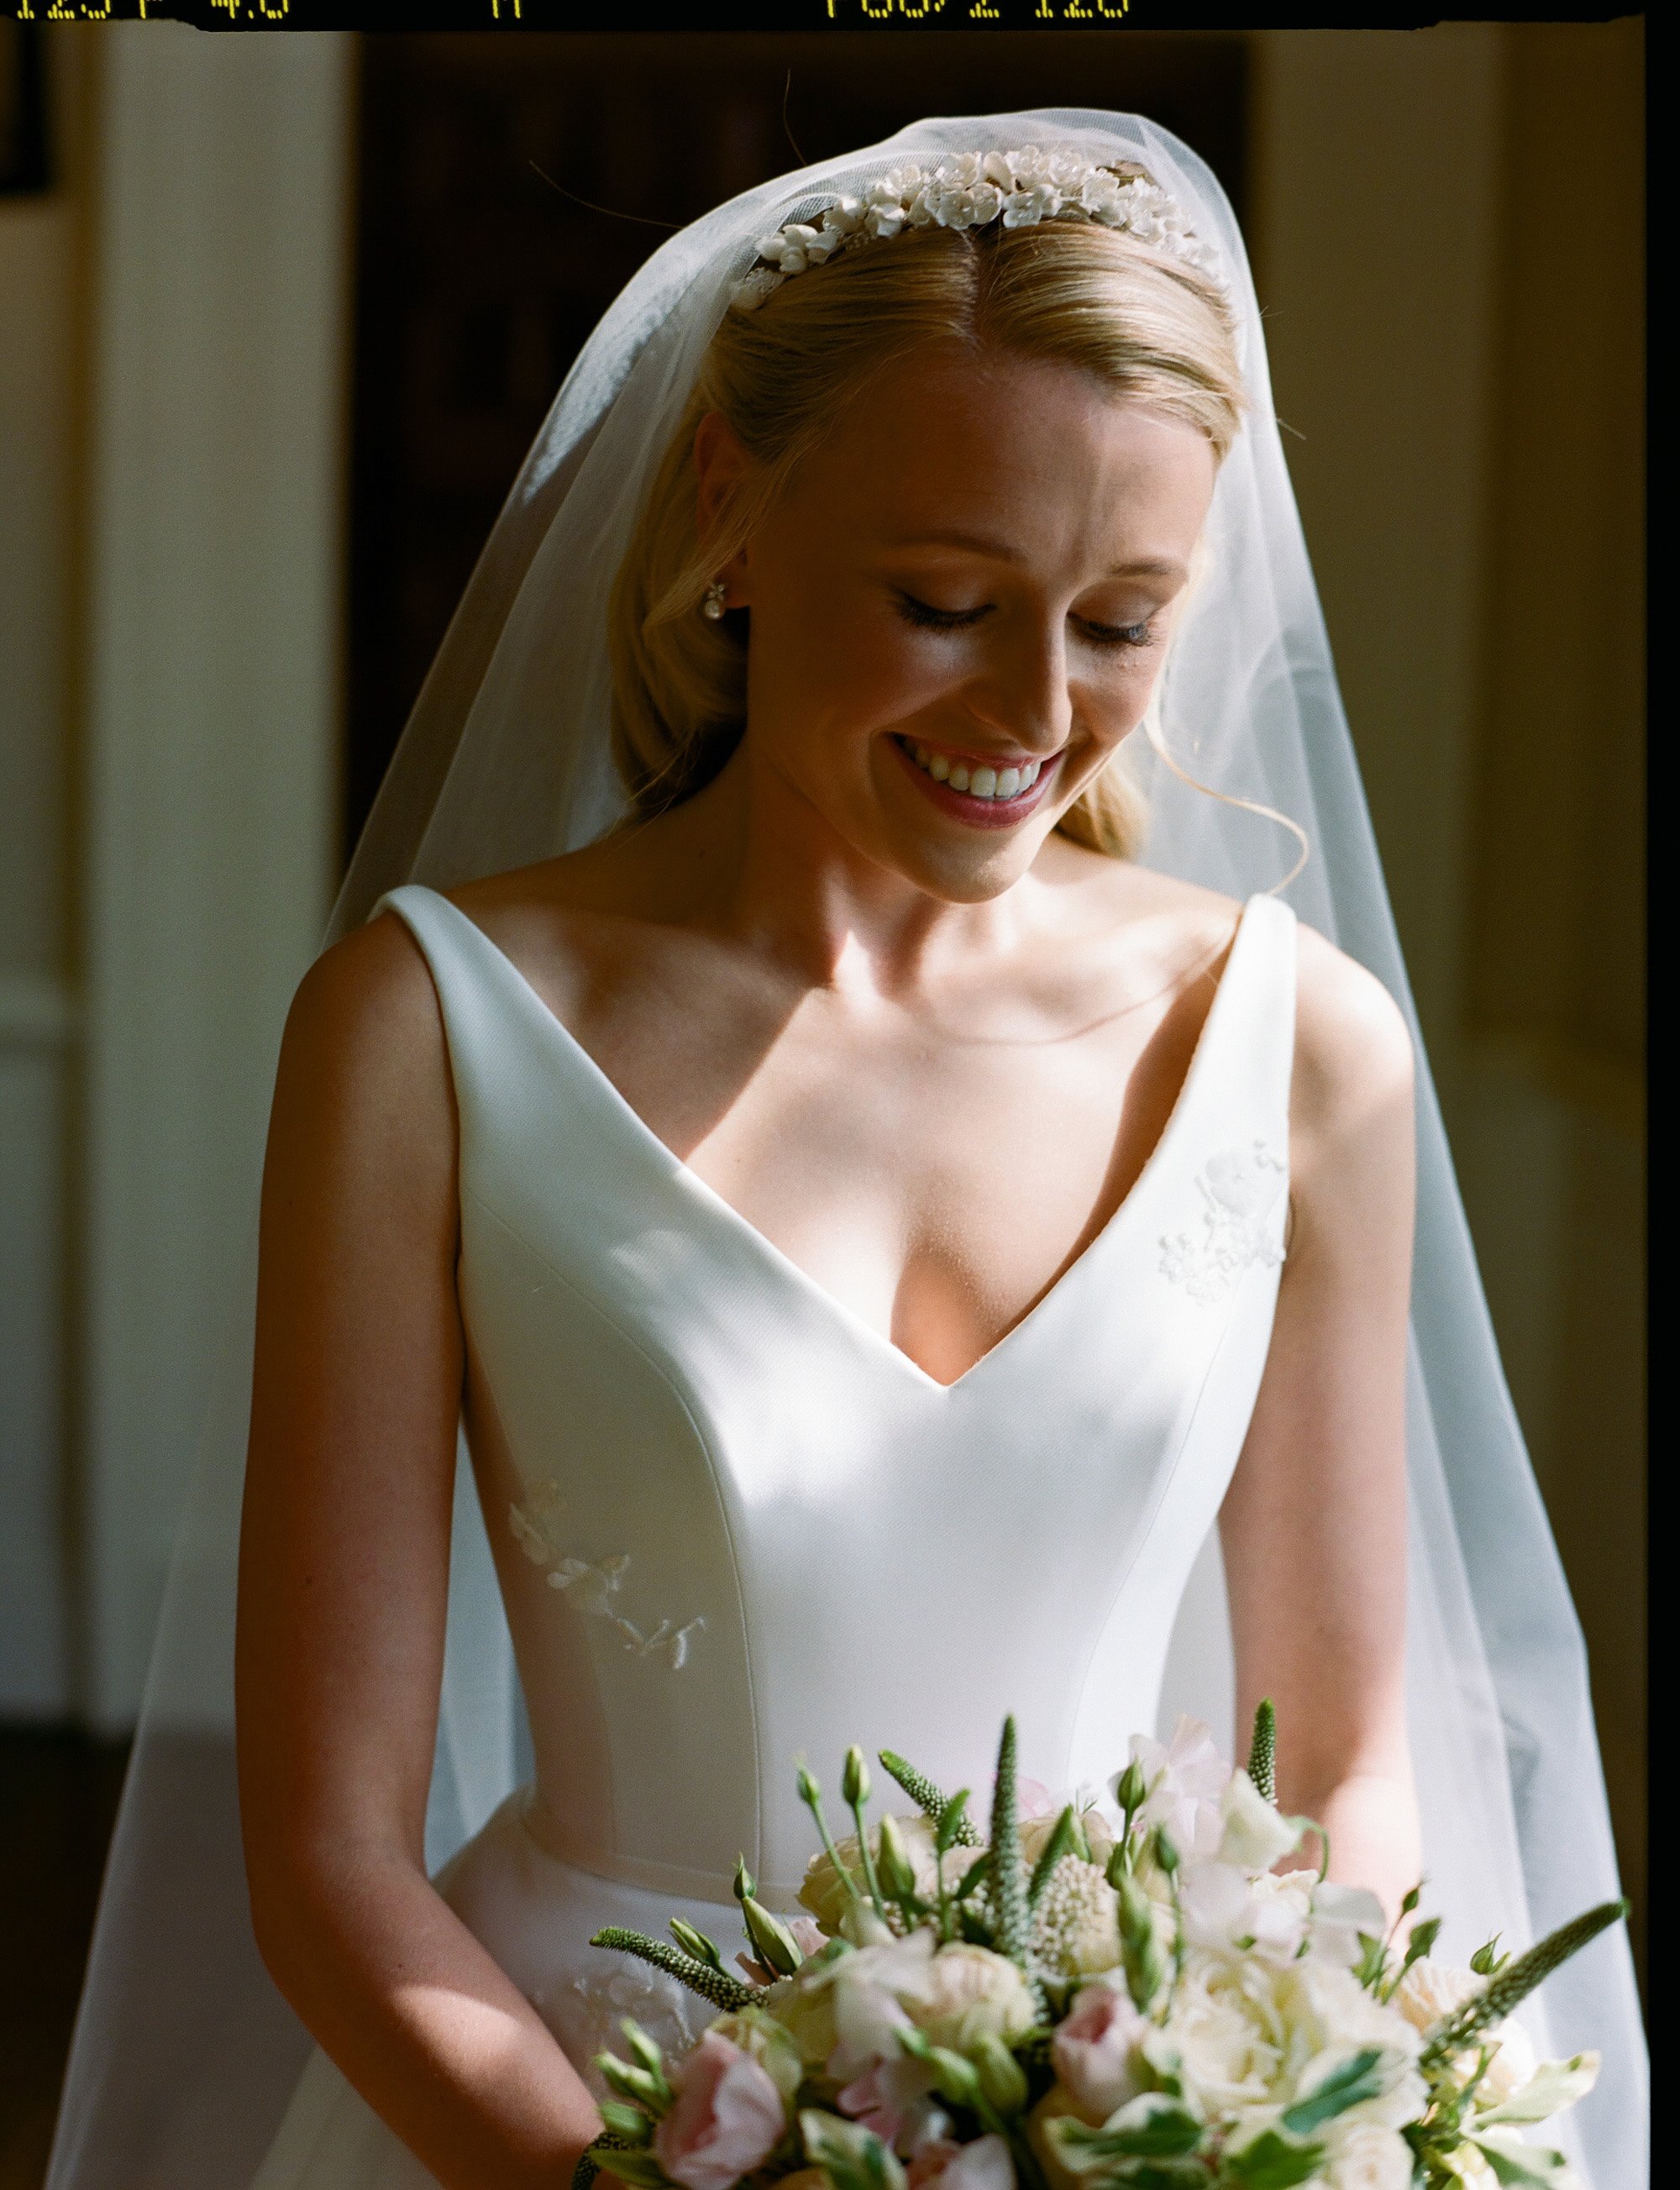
pixel 1353 1061
pixel 364 1081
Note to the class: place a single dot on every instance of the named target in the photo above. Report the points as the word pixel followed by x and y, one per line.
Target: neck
pixel 755 860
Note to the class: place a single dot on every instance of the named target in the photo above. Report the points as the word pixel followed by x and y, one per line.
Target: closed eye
pixel 1118 634
pixel 926 617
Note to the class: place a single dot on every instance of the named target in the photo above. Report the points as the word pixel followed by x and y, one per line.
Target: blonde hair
pixel 1073 292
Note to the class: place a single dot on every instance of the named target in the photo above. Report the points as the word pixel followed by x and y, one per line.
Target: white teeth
pixel 981 782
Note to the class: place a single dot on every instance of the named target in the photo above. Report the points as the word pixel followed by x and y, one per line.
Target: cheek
pixel 834 676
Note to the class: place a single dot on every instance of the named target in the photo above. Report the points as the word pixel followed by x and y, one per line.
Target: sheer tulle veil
pixel 184 2054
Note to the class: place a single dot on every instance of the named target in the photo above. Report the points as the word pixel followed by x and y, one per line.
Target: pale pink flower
pixel 1095 2053
pixel 894 2098
pixel 985 2164
pixel 728 2119
pixel 1186 1780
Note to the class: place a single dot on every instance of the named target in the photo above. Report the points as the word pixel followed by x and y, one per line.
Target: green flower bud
pixel 636 2085
pixel 854 1781
pixel 898 1875
pixel 629 2122
pixel 745 1883
pixel 696 1943
pixel 1132 1790
pixel 774 1944
pixel 1001 2077
pixel 1145 1972
pixel 1165 1853
pixel 645 2049
pixel 809 1792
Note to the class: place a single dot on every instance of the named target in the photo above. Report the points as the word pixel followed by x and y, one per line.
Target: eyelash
pixel 928 618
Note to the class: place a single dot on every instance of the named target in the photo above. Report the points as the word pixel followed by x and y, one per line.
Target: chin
pixel 959 875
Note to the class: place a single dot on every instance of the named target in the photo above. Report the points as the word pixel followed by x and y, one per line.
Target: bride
pixel 845 1124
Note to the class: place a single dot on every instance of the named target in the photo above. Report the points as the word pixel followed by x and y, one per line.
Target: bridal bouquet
pixel 1084 2000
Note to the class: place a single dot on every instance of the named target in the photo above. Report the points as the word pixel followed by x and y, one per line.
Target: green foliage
pixel 1487 1961
pixel 1140 1955
pixel 1060 1843
pixel 1263 1750
pixel 722 1990
pixel 628 2124
pixel 927 1798
pixel 1009 1879
pixel 589 2162
pixel 851 2157
pixel 1365 2076
pixel 1514 1983
pixel 696 1945
pixel 1268 2162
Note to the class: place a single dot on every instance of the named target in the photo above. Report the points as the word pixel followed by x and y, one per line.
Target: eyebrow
pixel 978 543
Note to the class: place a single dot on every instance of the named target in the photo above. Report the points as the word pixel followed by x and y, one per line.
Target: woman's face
pixel 961 605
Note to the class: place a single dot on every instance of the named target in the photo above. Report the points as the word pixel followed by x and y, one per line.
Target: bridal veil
pixel 184 2055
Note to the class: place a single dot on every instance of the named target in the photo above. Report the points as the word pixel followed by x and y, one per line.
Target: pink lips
pixel 978 813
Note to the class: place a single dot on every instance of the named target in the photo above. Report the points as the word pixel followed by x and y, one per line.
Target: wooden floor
pixel 58 1799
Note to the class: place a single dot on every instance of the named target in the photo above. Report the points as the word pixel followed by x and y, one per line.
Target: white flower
pixel 1185 1780
pixel 1023 208
pixel 1076 1929
pixel 972 190
pixel 1253 1834
pixel 1340 1914
pixel 1253 2035
pixel 1368 2157
pixel 954 1993
pixel 970 1992
pixel 1431 1990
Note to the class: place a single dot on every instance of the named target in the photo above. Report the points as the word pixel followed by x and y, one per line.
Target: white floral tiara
pixel 972 190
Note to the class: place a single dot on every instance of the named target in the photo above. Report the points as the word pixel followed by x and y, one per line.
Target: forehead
pixel 944 440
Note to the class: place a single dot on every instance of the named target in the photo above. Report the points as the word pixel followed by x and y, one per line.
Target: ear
pixel 720 464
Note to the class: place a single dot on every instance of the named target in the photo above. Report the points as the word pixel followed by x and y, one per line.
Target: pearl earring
pixel 711 607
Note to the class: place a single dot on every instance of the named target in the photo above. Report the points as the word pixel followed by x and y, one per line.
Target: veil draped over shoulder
pixel 184 2055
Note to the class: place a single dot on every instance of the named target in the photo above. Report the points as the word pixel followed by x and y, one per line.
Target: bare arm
pixel 1313 1526
pixel 343 1569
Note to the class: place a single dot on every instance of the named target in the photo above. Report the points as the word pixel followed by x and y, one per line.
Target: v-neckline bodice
pixel 688 1181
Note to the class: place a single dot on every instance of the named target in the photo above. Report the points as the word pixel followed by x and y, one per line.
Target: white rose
pixel 970 1992
pixel 1254 2035
pixel 1432 1990
pixel 1369 2158
pixel 823 1893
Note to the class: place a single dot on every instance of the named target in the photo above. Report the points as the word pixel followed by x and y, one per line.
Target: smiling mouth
pixel 978 790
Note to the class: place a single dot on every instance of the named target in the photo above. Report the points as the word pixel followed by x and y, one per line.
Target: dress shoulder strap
pixel 464 969
pixel 1254 1025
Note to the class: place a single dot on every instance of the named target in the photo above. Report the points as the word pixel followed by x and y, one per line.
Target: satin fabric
pixel 735 1527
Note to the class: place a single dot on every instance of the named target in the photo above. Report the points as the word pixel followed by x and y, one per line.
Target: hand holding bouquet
pixel 1083 2001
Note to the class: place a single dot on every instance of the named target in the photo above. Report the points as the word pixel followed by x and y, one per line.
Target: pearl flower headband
pixel 972 190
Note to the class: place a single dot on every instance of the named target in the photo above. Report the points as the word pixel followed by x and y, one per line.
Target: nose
pixel 1021 694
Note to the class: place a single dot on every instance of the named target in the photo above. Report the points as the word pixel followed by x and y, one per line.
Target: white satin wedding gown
pixel 734 1526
